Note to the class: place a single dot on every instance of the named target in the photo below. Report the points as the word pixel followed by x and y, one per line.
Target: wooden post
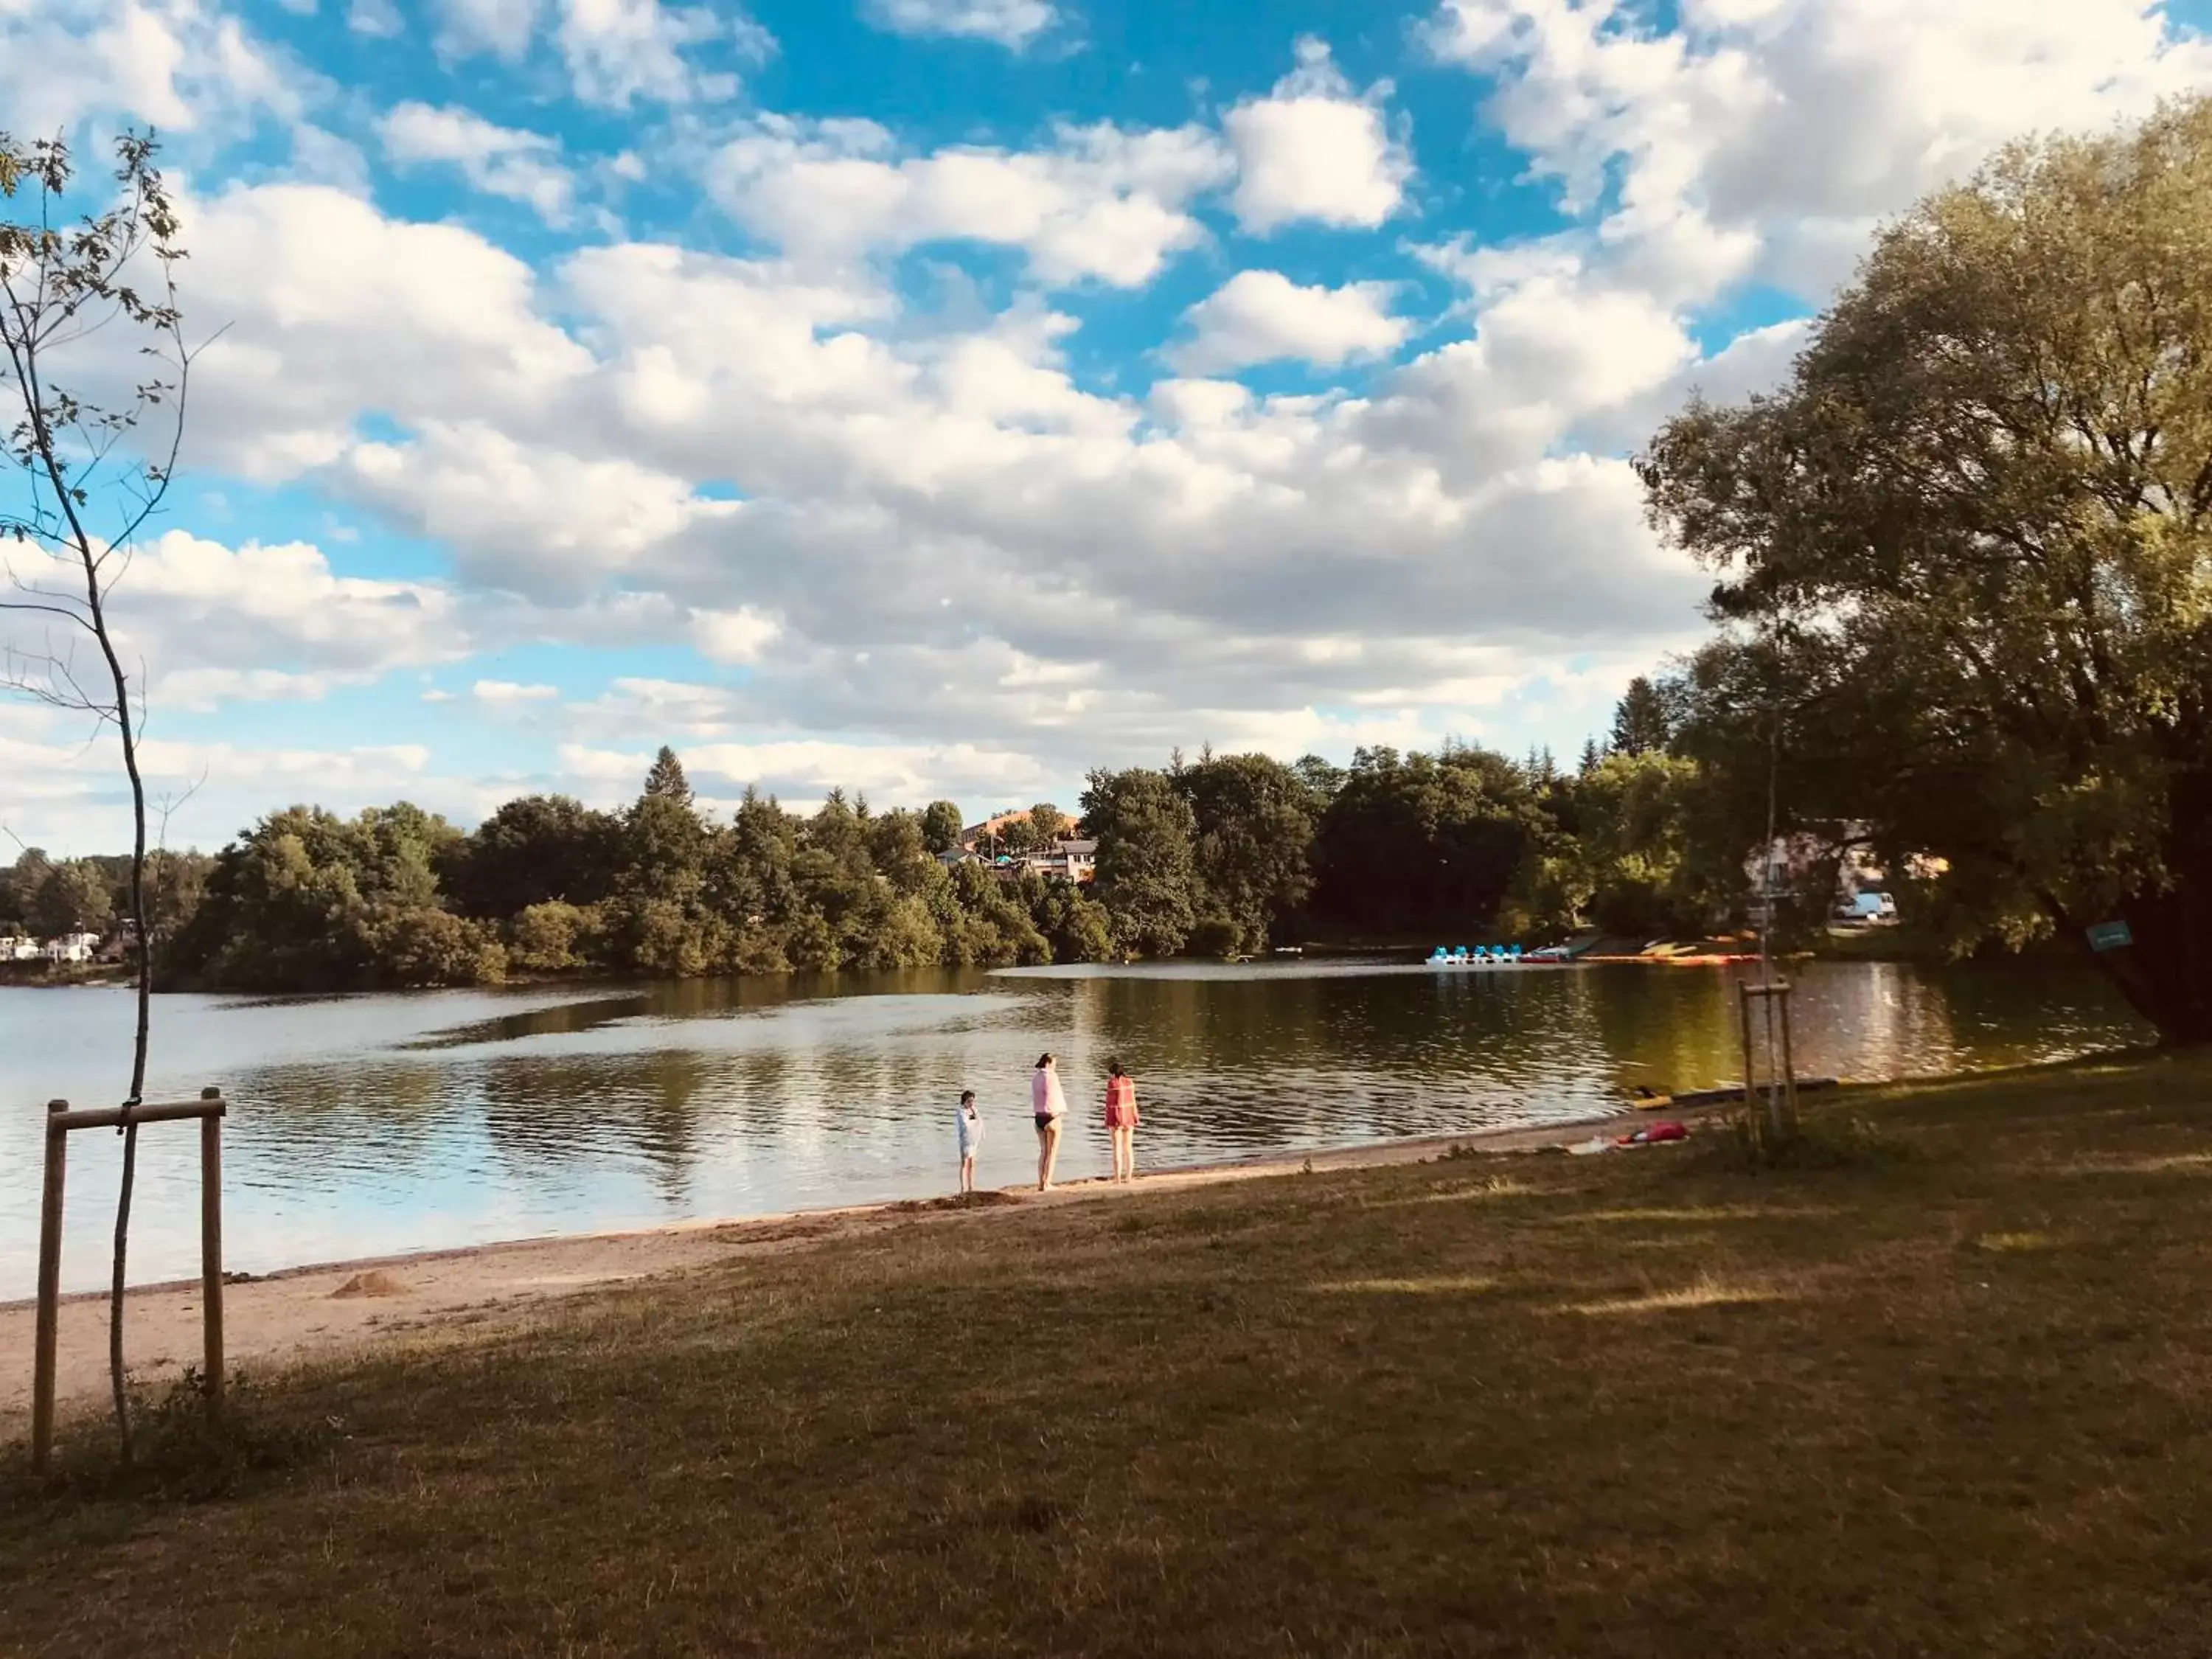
pixel 209 1109
pixel 211 1246
pixel 1789 1072
pixel 1768 994
pixel 1779 1120
pixel 1750 1100
pixel 50 1286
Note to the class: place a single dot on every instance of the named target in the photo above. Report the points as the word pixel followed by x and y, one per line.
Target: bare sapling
pixel 96 368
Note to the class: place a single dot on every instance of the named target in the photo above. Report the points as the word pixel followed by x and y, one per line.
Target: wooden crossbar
pixel 210 1109
pixel 110 1117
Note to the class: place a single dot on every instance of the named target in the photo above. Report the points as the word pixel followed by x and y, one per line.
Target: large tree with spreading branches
pixel 1966 556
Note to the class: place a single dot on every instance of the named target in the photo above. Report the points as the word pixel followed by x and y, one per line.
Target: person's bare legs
pixel 967 1175
pixel 1124 1154
pixel 1048 1153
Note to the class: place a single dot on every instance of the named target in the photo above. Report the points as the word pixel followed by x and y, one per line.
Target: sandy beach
pixel 329 1309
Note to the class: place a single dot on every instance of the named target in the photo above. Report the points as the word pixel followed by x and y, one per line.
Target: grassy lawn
pixel 1641 1404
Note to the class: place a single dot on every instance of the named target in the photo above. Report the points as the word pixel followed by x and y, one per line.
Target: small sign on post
pixel 2111 936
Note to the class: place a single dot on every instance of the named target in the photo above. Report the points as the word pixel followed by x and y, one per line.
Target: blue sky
pixel 942 397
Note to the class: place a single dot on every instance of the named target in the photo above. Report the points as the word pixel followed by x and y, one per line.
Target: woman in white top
pixel 1049 1105
pixel 971 1139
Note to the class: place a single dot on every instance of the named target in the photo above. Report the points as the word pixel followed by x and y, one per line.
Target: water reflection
pixel 370 1124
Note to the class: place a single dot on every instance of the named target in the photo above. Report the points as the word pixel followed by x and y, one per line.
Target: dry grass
pixel 1449 1284
pixel 1703 1292
pixel 1288 1417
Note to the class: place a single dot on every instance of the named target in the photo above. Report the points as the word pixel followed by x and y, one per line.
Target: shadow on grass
pixel 182 1454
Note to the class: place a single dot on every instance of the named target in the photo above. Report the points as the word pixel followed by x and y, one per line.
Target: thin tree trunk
pixel 115 1373
pixel 144 1011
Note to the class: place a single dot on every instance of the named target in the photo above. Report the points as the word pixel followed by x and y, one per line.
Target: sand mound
pixel 377 1283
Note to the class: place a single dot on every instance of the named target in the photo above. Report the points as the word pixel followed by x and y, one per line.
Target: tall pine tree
pixel 666 781
pixel 1640 723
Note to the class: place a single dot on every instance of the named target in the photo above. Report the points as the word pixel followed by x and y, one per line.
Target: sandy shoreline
pixel 299 1313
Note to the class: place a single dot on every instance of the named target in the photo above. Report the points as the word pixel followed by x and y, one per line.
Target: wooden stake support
pixel 210 1110
pixel 1781 1100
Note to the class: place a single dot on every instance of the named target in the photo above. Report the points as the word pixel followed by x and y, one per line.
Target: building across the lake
pixel 1069 859
pixel 1075 861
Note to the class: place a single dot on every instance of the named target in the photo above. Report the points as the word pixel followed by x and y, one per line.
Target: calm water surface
pixel 375 1124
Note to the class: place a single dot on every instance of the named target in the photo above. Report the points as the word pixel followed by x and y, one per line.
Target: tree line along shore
pixel 1220 855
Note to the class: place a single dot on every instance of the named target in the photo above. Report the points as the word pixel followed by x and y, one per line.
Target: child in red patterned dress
pixel 1121 1120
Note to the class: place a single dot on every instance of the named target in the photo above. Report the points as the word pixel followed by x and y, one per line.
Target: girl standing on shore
pixel 971 1139
pixel 1121 1120
pixel 1049 1105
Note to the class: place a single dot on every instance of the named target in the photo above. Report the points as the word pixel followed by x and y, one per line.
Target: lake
pixel 377 1124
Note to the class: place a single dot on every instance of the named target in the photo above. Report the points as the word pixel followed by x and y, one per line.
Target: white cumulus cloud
pixel 522 167
pixel 218 624
pixel 1012 23
pixel 616 52
pixel 1790 127
pixel 1261 316
pixel 188 68
pixel 1102 203
pixel 1314 150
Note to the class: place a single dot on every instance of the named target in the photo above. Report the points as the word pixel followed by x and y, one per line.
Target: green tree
pixel 659 921
pixel 305 900
pixel 1641 722
pixel 533 850
pixel 1254 834
pixel 1419 844
pixel 549 938
pixel 20 884
pixel 1967 553
pixel 419 945
pixel 175 883
pixel 897 850
pixel 1077 927
pixel 664 779
pixel 995 925
pixel 1147 874
pixel 74 899
pixel 1633 811
pixel 941 824
pixel 663 850
pixel 1048 825
pixel 1321 779
pixel 750 883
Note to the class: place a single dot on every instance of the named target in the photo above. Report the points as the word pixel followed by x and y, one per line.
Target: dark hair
pixel 1043 1060
pixel 1114 1068
pixel 967 1095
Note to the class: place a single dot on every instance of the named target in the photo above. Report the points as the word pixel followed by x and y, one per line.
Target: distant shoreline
pixel 63 976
